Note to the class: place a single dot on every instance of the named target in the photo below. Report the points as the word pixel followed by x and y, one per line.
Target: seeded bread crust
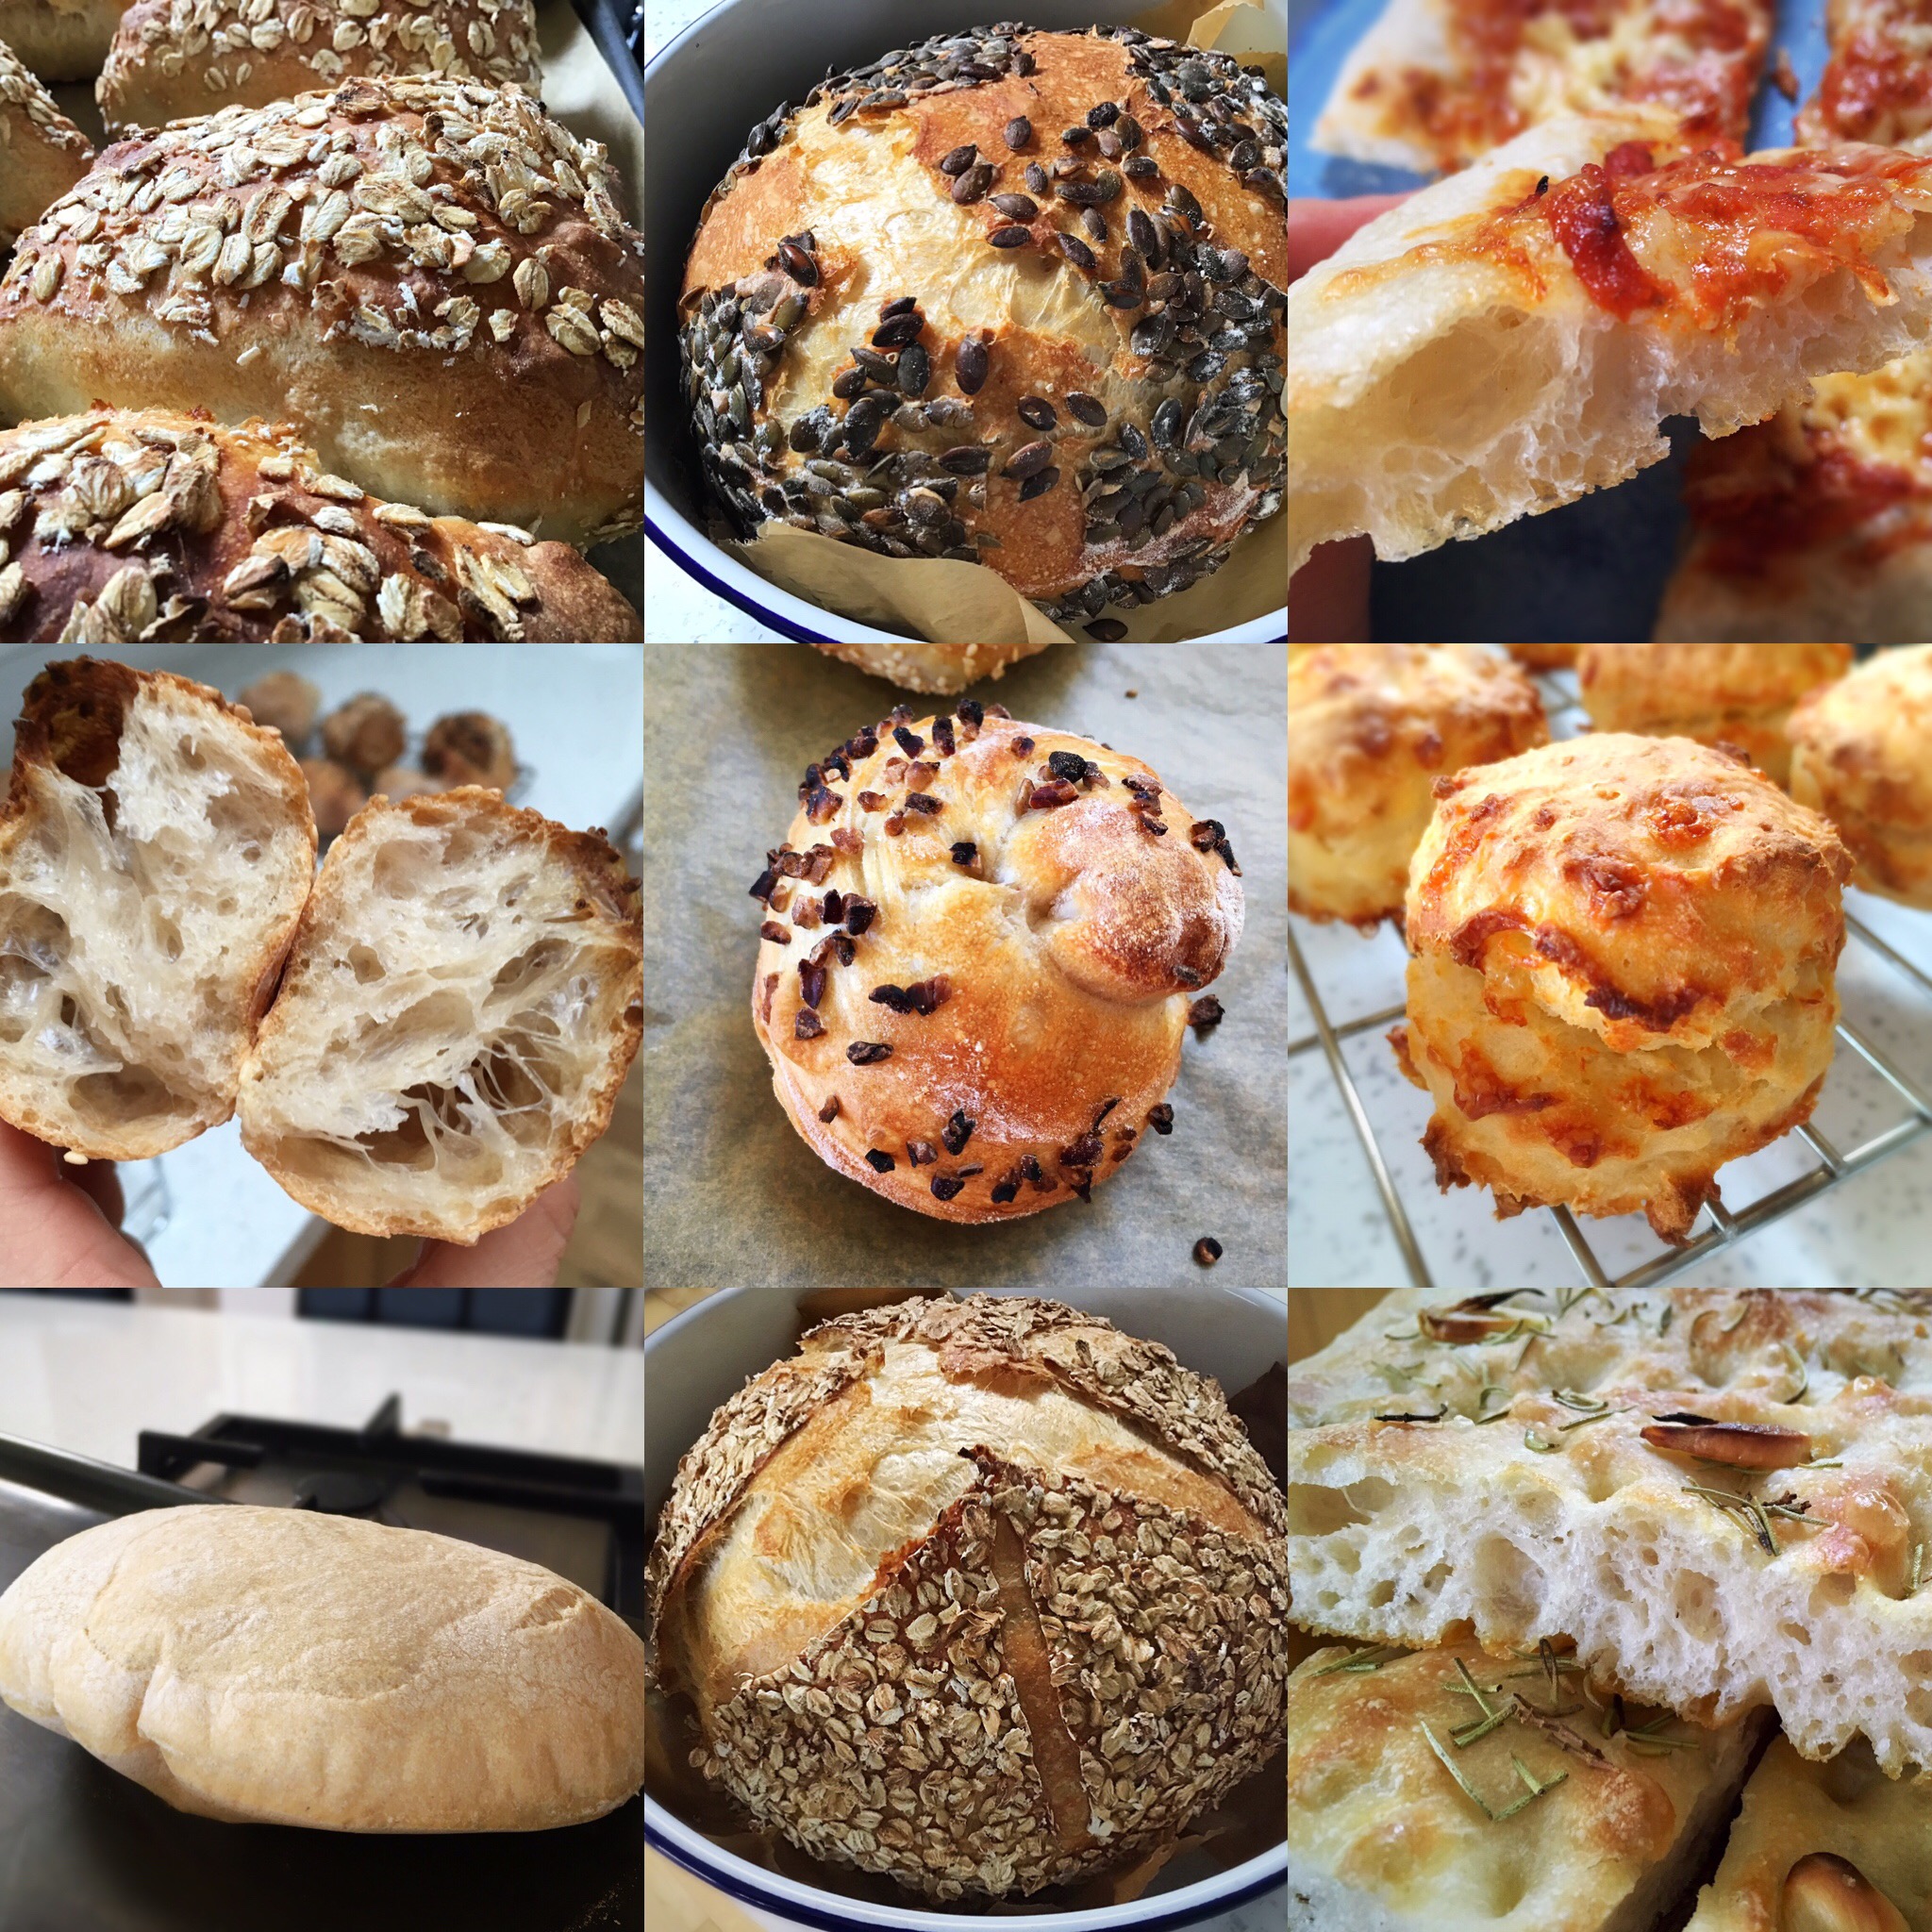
pixel 124 526
pixel 42 154
pixel 448 249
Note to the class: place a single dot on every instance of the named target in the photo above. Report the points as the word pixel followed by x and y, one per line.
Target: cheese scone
pixel 1725 1498
pixel 1575 1813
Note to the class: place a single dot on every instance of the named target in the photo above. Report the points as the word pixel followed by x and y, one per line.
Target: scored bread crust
pixel 156 850
pixel 279 1666
pixel 1411 1521
pixel 463 999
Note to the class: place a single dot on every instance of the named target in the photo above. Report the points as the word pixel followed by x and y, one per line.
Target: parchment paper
pixel 733 1195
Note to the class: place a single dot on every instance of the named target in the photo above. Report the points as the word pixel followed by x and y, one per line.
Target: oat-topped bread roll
pixel 995 1558
pixel 60 40
pixel 460 1006
pixel 126 525
pixel 42 154
pixel 156 849
pixel 433 281
pixel 980 944
pixel 1622 973
pixel 172 60
pixel 1011 297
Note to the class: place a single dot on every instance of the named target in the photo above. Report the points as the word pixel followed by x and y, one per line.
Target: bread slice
pixel 1515 1472
pixel 1515 336
pixel 1382 1837
pixel 155 848
pixel 463 999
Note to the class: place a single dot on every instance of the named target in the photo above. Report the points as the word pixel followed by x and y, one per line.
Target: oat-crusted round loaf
pixel 123 525
pixel 1011 297
pixel 984 1595
pixel 42 154
pixel 172 60
pixel 432 280
pixel 977 958
pixel 1622 973
pixel 60 40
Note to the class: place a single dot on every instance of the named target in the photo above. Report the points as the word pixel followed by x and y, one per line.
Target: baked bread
pixel 470 748
pixel 279 1666
pixel 284 701
pixel 335 795
pixel 921 1514
pixel 60 40
pixel 174 59
pixel 1862 755
pixel 1544 657
pixel 1802 1826
pixel 1518 1466
pixel 1622 974
pixel 433 281
pixel 42 154
pixel 978 955
pixel 127 526
pixel 1739 695
pixel 1382 1837
pixel 1009 297
pixel 1370 729
pixel 155 848
pixel 365 732
pixel 405 781
pixel 461 1004
pixel 927 667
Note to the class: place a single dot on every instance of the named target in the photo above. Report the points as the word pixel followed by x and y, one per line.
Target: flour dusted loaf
pixel 432 281
pixel 1011 297
pixel 996 1559
pixel 125 526
pixel 155 848
pixel 1527 1465
pixel 173 59
pixel 42 154
pixel 977 958
pixel 461 1004
pixel 282 1667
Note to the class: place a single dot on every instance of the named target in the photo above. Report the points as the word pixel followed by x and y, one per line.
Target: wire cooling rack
pixel 1718 1228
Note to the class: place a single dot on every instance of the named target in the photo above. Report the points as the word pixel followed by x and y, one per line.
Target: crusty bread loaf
pixel 432 280
pixel 126 525
pixel 172 60
pixel 42 154
pixel 156 849
pixel 60 40
pixel 460 1006
pixel 930 667
pixel 470 748
pixel 285 1667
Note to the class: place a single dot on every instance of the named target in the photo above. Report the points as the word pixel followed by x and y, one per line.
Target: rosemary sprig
pixel 1535 1790
pixel 1360 1663
pixel 1804 1374
pixel 1759 1520
pixel 1531 1440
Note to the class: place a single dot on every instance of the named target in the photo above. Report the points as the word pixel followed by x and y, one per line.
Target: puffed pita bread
pixel 282 1667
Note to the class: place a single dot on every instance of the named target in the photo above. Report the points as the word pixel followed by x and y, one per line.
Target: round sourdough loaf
pixel 432 281
pixel 42 154
pixel 280 1667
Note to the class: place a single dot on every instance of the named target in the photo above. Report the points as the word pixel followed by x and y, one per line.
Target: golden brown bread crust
pixel 932 667
pixel 124 526
pixel 172 60
pixel 1037 937
pixel 1544 657
pixel 1862 755
pixel 446 248
pixel 1370 726
pixel 60 40
pixel 42 154
pixel 1623 966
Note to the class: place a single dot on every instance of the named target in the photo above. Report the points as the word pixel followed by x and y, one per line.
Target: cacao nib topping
pixel 818 863
pixel 923 997
pixel 833 907
pixel 945 1186
pixel 774 932
pixel 1069 765
pixel 909 742
pixel 806 1024
pixel 1187 975
pixel 1081 1153
pixel 766 989
pixel 922 801
pixel 1006 1186
pixel 1020 746
pixel 762 885
pixel 921 773
pixel 859 913
pixel 972 712
pixel 1106 1106
pixel 895 824
pixel 1134 782
pixel 812 980
pixel 1030 1170
pixel 829 1112
pixel 920 1153
pixel 842 946
pixel 871 801
pixel 965 852
pixel 942 736
pixel 1082 1183
pixel 1161 1118
pixel 957 1132
pixel 1204 1013
pixel 804 915
pixel 899 714
pixel 1208 1251
pixel 848 840
pixel 868 1052
pixel 819 805
pixel 1211 835
pixel 861 744
pixel 1153 826
pixel 1056 792
pixel 879 1161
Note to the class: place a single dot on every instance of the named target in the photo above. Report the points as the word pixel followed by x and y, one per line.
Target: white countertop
pixel 88 1377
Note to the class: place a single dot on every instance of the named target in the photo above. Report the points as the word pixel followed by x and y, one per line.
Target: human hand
pixel 59 1223
pixel 1329 600
pixel 522 1254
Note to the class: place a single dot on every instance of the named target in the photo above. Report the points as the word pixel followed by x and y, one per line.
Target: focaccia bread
pixel 1515 336
pixel 1523 1469
pixel 1802 1826
pixel 1383 1836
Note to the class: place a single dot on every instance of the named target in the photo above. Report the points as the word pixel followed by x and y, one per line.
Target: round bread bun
pixel 939 669
pixel 1544 657
pixel 432 281
pixel 365 732
pixel 285 701
pixel 1625 953
pixel 1862 755
pixel 42 154
pixel 977 959
pixel 1018 298
pixel 1739 695
pixel 335 794
pixel 469 748
pixel 1371 727
pixel 283 1667
pixel 60 40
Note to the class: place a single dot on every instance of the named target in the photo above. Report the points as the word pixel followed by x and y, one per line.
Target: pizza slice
pixel 1515 335
pixel 1436 84
pixel 1877 80
pixel 1816 523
